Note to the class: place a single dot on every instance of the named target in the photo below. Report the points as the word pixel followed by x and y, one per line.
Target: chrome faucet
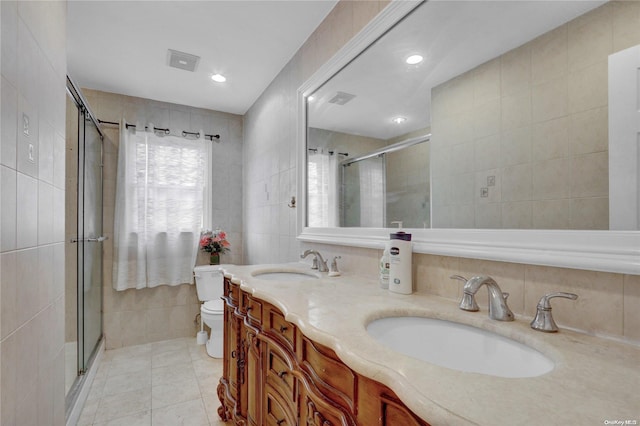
pixel 318 262
pixel 498 309
pixel 544 320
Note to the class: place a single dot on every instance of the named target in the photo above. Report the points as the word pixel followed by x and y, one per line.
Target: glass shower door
pixel 90 240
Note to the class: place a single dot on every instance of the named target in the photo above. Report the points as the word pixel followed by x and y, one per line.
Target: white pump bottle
pixel 400 253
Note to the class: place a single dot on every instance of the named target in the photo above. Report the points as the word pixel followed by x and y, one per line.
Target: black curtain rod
pixel 165 130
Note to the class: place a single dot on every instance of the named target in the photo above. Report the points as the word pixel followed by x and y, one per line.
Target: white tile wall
pixel 33 68
pixel 270 139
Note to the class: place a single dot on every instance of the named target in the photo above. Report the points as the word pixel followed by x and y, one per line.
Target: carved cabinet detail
pixel 274 375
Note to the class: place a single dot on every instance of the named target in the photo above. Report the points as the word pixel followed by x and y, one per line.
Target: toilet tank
pixel 209 282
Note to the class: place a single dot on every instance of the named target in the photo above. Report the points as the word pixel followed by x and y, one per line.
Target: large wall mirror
pixel 477 115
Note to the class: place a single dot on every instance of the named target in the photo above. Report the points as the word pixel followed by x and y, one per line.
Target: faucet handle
pixel 544 300
pixel 459 278
pixel 543 320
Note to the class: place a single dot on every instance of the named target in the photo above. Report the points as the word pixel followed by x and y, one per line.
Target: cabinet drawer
pixel 253 309
pixel 279 374
pixel 232 292
pixel 281 330
pixel 329 374
pixel 277 411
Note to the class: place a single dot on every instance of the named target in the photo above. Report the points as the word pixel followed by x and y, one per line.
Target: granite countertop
pixel 595 381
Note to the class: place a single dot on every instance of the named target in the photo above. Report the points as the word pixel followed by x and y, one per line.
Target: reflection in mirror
pixel 388 185
pixel 363 192
pixel 528 127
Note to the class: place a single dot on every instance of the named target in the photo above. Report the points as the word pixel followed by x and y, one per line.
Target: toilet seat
pixel 213 307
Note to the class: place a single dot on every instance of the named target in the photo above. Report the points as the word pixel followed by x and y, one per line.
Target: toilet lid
pixel 216 305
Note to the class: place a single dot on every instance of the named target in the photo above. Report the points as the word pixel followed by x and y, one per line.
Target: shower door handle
pixel 90 240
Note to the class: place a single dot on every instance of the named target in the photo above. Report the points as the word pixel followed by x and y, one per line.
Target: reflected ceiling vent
pixel 181 60
pixel 341 98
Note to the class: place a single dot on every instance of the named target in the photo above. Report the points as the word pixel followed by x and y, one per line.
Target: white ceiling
pixel 121 47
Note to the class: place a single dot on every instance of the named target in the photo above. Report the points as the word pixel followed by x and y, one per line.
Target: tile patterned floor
pixel 169 383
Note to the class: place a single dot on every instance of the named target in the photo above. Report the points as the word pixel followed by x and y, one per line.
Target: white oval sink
pixel 284 275
pixel 459 347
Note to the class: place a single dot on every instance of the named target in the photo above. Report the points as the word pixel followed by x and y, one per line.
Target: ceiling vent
pixel 181 60
pixel 341 98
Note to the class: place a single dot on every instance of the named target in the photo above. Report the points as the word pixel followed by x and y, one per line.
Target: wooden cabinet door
pixel 276 409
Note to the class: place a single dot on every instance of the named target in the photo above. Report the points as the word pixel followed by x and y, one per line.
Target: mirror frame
pixel 605 251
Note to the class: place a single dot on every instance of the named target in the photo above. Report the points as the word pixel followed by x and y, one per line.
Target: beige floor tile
pixel 129 352
pixel 173 357
pixel 123 404
pixel 169 345
pixel 171 374
pixel 172 383
pixel 172 393
pixel 128 366
pixel 208 384
pixel 198 352
pixel 142 418
pixel 127 382
pixel 191 413
pixel 207 367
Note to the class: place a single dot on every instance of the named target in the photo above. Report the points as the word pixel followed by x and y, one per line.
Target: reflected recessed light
pixel 399 120
pixel 414 59
pixel 218 78
pixel 182 62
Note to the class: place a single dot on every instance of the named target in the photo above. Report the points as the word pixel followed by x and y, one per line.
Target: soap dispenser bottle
pixel 384 266
pixel 400 253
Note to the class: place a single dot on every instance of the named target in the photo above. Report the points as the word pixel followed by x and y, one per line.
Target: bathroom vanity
pixel 296 352
pixel 275 375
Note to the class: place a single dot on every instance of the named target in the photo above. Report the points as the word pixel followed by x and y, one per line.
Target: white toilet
pixel 209 286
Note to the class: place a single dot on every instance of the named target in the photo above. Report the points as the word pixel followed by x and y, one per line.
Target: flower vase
pixel 214 259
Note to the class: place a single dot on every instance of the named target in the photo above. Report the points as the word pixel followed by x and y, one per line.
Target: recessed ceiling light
pixel 218 78
pixel 399 120
pixel 311 98
pixel 414 59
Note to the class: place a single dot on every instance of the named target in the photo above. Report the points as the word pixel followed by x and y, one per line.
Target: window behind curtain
pixel 159 209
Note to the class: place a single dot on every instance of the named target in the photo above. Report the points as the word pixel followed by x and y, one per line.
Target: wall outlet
pixel 484 192
pixel 491 181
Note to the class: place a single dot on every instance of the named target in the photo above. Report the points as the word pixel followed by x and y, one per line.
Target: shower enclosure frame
pixel 87 246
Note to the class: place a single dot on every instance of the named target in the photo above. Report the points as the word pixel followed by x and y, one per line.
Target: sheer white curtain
pixel 372 192
pixel 322 203
pixel 159 207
